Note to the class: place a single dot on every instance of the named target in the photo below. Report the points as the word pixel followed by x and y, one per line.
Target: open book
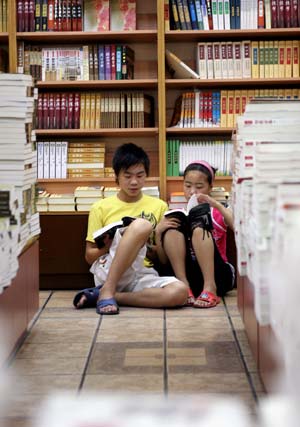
pixel 197 216
pixel 110 230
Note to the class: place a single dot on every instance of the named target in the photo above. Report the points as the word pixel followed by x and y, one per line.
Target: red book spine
pixel 113 61
pixel 73 15
pixel 280 13
pixel 59 16
pixel 261 14
pixel 20 15
pixel 45 111
pixel 31 15
pixel 77 111
pixel 64 15
pixel 55 23
pixel 274 23
pixel 51 123
pixel 71 111
pixel 63 111
pixel 209 14
pixel 26 15
pixel 79 14
pixel 287 14
pixel 57 111
pixel 294 14
pixel 39 116
pixel 209 109
pixel 69 15
pixel 50 15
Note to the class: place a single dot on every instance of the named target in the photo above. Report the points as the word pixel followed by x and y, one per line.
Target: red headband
pixel 206 165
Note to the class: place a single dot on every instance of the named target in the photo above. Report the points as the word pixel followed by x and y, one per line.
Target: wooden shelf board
pixel 3 37
pixel 218 177
pixel 137 36
pixel 192 131
pixel 88 179
pixel 181 83
pixel 200 35
pixel 91 84
pixel 126 132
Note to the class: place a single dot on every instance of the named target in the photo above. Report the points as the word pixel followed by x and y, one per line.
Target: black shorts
pixel 224 272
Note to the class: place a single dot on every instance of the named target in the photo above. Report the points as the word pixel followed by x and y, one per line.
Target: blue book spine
pixel 101 64
pixel 237 14
pixel 193 16
pixel 199 14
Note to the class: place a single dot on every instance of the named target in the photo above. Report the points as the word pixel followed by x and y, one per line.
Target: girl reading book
pixel 196 253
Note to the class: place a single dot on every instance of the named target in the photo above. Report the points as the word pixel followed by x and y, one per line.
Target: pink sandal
pixel 211 299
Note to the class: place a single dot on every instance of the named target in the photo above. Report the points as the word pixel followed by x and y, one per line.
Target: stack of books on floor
pixel 267 160
pixel 18 164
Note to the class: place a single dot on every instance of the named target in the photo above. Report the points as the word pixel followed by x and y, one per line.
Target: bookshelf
pixel 149 42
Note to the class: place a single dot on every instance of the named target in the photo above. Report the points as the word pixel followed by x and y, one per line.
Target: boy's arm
pixel 92 252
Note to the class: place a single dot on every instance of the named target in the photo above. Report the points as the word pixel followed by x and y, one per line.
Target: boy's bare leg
pixel 205 251
pixel 173 295
pixel 135 236
pixel 174 247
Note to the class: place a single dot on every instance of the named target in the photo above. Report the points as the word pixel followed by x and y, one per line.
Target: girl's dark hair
pixel 200 168
pixel 128 155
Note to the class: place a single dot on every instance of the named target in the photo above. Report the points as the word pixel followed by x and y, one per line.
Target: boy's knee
pixel 179 293
pixel 141 226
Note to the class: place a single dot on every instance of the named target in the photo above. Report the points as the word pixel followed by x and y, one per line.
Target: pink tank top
pixel 219 232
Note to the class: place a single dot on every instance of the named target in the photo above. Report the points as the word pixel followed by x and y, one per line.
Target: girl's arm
pixel 226 212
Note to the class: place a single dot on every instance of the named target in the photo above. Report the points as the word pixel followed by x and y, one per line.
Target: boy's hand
pixel 164 224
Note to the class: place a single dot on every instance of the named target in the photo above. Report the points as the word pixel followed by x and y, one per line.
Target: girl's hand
pixel 164 224
pixel 205 198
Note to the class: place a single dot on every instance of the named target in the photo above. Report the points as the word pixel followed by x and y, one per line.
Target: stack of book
pixel 110 191
pixel 266 156
pixel 86 160
pixel 18 159
pixel 177 200
pixel 61 202
pixel 214 108
pixel 182 153
pixel 86 196
pixel 94 110
pixel 42 201
pixel 151 191
pixel 230 14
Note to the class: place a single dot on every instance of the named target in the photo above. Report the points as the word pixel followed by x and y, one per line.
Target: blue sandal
pixel 91 295
pixel 104 303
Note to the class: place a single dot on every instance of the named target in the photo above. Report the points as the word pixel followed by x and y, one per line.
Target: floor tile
pixel 210 323
pixel 132 335
pixel 126 358
pixel 48 366
pixel 197 334
pixel 52 350
pixel 208 383
pixel 134 383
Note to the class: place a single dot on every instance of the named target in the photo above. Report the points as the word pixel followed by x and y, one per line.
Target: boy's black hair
pixel 127 155
pixel 201 168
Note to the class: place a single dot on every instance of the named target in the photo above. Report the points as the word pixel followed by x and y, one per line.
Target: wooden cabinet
pixel 19 302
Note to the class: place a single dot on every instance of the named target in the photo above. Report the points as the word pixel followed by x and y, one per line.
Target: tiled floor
pixel 166 352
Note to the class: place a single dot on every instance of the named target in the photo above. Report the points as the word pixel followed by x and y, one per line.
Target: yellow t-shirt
pixel 112 209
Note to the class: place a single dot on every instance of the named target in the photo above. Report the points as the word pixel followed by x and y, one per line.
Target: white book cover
pixel 58 150
pixel 221 25
pixel 201 60
pixel 64 158
pixel 46 160
pixel 178 68
pixel 52 159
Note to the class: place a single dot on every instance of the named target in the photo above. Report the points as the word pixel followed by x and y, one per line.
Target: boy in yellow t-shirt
pixel 118 268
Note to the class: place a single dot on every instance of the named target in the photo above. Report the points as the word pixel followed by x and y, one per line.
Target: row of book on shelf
pixel 75 15
pixel 230 14
pixel 3 16
pixel 220 108
pixel 62 159
pixel 19 220
pixel 266 189
pixel 82 199
pixel 180 154
pixel 94 110
pixel 240 59
pixel 177 199
pixel 85 62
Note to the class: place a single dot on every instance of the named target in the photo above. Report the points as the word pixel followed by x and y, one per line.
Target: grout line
pixel 27 332
pixel 88 359
pixel 165 356
pixel 249 377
